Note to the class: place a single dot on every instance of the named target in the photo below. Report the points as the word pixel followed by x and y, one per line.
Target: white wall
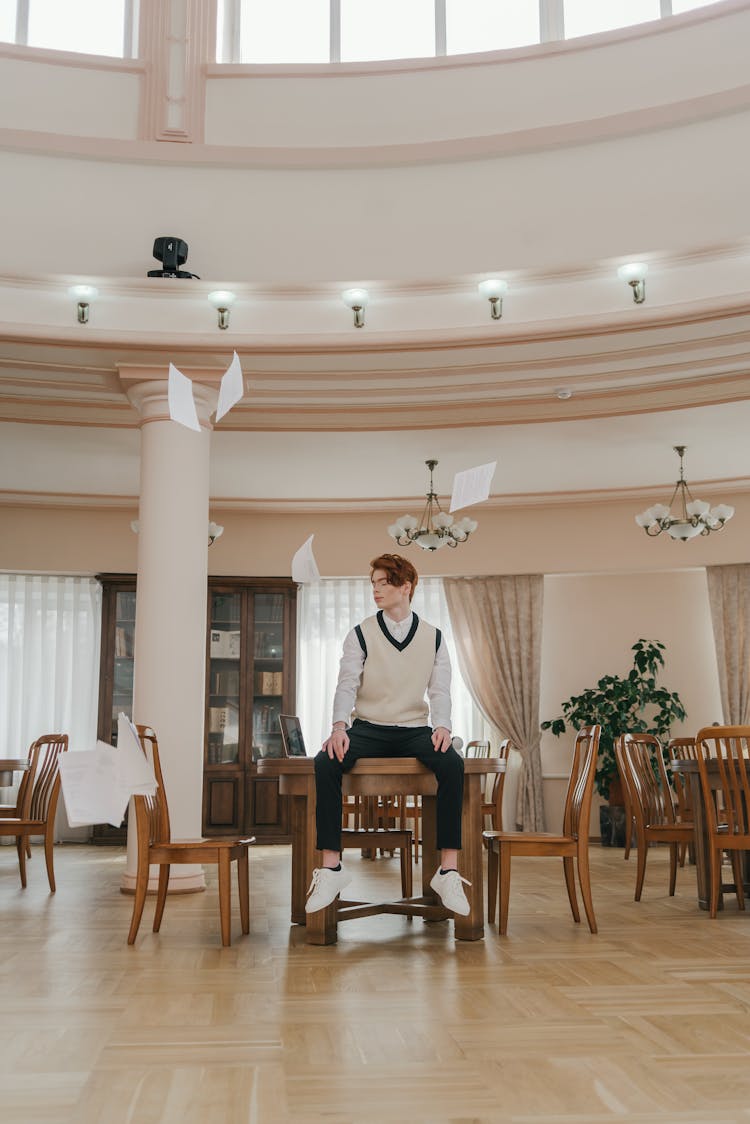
pixel 551 85
pixel 51 98
pixel 590 624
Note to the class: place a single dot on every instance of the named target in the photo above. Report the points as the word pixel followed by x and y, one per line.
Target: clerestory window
pixel 322 31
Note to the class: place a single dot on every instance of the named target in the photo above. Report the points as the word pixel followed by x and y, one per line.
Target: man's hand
pixel 338 743
pixel 441 739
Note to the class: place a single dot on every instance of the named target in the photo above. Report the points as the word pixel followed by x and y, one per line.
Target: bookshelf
pixel 250 680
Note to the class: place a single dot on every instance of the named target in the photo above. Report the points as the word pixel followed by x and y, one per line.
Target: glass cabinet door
pixel 124 651
pixel 224 679
pixel 268 673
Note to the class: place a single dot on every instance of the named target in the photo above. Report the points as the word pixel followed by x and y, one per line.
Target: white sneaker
pixel 325 887
pixel 449 889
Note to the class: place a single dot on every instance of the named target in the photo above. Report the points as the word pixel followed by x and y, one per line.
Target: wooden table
pixel 385 777
pixel 689 769
pixel 9 766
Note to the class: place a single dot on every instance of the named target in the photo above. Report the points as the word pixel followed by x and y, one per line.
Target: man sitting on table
pixel 389 663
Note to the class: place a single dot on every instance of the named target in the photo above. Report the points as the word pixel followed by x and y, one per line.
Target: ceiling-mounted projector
pixel 172 253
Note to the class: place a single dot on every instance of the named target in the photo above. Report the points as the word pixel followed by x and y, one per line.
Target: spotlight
pixel 356 300
pixel 83 295
pixel 222 300
pixel 494 289
pixel 634 273
pixel 171 252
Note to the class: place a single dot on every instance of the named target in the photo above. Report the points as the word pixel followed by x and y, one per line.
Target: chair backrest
pixel 43 787
pixel 581 784
pixel 682 749
pixel 729 746
pixel 152 812
pixel 498 785
pixel 477 749
pixel 646 776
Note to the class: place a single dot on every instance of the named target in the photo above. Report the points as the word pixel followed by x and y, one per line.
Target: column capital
pixel 147 390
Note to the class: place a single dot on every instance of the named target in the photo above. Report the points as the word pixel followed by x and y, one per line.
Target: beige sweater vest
pixel 395 675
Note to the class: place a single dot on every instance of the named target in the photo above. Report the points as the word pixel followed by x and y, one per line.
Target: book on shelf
pixel 225 681
pixel 269 682
pixel 265 721
pixel 224 720
pixel 268 644
pixel 123 642
pixel 224 644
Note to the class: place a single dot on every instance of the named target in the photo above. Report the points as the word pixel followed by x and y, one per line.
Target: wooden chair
pixel 726 801
pixel 573 843
pixel 645 774
pixel 683 749
pixel 492 805
pixel 627 798
pixel 37 803
pixel 13 811
pixel 155 845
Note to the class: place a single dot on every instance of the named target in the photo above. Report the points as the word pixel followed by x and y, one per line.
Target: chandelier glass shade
pixel 436 528
pixel 689 518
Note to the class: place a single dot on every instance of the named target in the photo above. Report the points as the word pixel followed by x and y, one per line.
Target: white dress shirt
pixel 353 662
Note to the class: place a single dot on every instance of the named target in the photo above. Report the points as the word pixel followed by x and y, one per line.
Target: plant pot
pixel 612 825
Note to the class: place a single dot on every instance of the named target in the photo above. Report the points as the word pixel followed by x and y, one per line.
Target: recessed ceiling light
pixel 563 393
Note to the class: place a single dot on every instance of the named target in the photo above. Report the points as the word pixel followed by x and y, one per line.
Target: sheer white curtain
pixel 326 610
pixel 49 660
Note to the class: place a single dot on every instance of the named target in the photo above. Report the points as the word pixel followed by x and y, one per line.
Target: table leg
pixel 429 848
pixel 321 926
pixel 702 858
pixel 300 864
pixel 470 860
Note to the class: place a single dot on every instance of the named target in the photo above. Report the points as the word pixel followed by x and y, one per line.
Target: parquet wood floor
pixel 646 1022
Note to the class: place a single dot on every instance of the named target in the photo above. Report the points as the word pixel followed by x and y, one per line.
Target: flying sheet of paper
pixel 472 486
pixel 304 566
pixel 90 792
pixel 180 398
pixel 232 388
pixel 135 771
pixel 98 783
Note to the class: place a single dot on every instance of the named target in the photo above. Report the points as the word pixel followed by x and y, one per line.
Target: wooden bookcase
pixel 250 680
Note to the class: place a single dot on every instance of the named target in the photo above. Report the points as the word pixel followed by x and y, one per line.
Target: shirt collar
pixel 398 626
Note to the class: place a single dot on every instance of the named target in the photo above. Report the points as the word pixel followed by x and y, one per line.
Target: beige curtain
pixel 729 598
pixel 497 627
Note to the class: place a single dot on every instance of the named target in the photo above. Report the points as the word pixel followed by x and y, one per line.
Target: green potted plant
pixel 622 704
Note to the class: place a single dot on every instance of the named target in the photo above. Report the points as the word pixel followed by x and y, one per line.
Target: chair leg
pixel 49 847
pixel 243 882
pixel 493 876
pixel 225 897
pixel 504 885
pixel 738 873
pixel 641 872
pixel 683 853
pixel 570 886
pixel 141 888
pixel 406 869
pixel 584 878
pixel 161 895
pixel 715 880
pixel 21 849
pixel 673 847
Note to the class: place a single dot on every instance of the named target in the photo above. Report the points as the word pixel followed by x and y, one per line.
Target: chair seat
pixel 15 825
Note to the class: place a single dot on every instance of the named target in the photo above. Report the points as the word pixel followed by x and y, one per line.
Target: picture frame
pixel 291 736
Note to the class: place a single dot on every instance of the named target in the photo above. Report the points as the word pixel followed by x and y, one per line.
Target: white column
pixel 170 629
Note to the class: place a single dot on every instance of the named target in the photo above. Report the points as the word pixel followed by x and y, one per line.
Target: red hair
pixel 398 570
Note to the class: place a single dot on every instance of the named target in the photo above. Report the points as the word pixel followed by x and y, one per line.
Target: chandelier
pixel 436 528
pixel 693 517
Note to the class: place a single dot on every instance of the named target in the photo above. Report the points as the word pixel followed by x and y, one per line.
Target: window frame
pixel 551 28
pixel 129 40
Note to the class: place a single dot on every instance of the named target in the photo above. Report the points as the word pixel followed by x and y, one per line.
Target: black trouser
pixel 369 740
